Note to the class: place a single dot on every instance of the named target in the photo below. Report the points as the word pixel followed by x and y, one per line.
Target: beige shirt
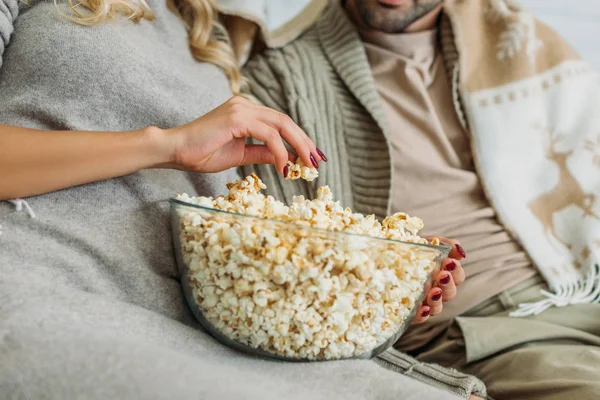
pixel 434 176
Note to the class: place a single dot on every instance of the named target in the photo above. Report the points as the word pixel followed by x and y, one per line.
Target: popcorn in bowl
pixel 308 281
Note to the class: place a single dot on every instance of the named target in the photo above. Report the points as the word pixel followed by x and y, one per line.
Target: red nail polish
pixel 451 266
pixel 445 280
pixel 436 297
pixel 320 153
pixel 461 251
pixel 314 161
pixel 426 312
pixel 286 170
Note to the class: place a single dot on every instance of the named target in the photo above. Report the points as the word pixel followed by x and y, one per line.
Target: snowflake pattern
pixel 500 9
pixel 509 44
pixel 518 35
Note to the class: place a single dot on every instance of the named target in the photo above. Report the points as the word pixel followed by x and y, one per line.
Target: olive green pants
pixel 551 356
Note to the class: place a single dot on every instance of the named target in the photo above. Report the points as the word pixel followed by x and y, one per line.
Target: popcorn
pixel 295 292
pixel 299 170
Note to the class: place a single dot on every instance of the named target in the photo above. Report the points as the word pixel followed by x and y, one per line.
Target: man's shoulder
pixel 307 43
pixel 312 45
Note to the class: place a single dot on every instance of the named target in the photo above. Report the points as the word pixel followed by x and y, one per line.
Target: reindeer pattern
pixel 568 191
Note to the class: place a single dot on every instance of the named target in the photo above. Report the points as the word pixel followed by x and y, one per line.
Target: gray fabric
pixel 8 14
pixel 90 301
pixel 323 81
pixel 59 342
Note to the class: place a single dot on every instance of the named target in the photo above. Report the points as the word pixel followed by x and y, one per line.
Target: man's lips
pixel 391 2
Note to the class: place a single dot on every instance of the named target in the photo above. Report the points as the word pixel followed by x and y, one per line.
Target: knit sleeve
pixel 266 81
pixel 9 10
pixel 448 379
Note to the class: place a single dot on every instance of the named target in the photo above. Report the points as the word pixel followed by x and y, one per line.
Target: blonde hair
pixel 207 38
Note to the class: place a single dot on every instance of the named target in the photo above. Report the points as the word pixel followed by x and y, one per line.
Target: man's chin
pixel 395 16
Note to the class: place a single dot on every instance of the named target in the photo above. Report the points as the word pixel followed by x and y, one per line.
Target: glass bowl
pixel 293 292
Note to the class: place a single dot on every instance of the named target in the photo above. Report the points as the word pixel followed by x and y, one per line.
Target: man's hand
pixel 445 282
pixel 473 397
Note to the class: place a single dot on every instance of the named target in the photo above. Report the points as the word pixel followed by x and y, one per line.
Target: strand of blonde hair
pixel 207 38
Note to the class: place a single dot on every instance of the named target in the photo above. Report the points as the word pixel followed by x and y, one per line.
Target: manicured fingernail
pixel 286 170
pixel 437 296
pixel 451 266
pixel 320 153
pixel 426 312
pixel 445 280
pixel 314 161
pixel 461 251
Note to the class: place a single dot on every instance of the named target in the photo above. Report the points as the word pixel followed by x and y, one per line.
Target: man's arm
pixel 265 82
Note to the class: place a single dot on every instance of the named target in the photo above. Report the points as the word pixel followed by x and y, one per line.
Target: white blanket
pixel 532 109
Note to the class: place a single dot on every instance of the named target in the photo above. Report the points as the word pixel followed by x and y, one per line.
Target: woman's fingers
pixel 260 154
pixel 444 289
pixel 292 133
pixel 432 305
pixel 445 282
pixel 457 251
pixel 271 138
pixel 423 314
pixel 216 141
pixel 454 267
pixel 286 128
pixel 434 301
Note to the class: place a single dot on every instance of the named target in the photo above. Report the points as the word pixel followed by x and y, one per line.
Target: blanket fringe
pixel 584 291
pixel 20 204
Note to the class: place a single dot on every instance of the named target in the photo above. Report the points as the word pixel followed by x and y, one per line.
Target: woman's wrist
pixel 159 146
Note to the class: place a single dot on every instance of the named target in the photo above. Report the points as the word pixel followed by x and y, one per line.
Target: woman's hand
pixel 217 140
pixel 445 282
